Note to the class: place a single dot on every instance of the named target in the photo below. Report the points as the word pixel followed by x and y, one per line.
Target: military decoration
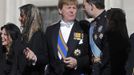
pixel 100 28
pixel 77 52
pixel 94 23
pixel 101 36
pixel 95 36
pixel 78 36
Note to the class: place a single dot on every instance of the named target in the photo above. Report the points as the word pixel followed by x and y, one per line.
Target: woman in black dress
pixel 10 33
pixel 118 40
pixel 34 41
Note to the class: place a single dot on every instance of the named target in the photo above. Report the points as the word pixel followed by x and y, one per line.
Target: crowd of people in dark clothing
pixel 68 47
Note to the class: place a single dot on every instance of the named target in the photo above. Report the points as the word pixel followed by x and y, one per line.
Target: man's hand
pixel 71 62
pixel 29 54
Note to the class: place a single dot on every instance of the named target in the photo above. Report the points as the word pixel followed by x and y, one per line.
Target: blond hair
pixel 67 2
pixel 33 21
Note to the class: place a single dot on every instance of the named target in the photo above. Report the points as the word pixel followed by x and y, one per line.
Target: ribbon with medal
pixel 78 36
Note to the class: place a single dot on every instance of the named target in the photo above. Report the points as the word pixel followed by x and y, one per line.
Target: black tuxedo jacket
pixel 56 66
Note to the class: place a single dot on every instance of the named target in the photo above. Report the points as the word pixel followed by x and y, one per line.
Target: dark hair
pixel 116 18
pixel 12 30
pixel 100 4
pixel 117 21
pixel 33 21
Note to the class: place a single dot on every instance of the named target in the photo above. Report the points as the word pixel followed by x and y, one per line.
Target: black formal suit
pixel 56 66
pixel 100 38
pixel 38 46
pixel 130 61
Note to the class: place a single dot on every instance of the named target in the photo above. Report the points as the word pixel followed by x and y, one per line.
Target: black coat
pixel 8 63
pixel 38 45
pixel 100 39
pixel 119 47
pixel 118 39
pixel 56 66
pixel 130 61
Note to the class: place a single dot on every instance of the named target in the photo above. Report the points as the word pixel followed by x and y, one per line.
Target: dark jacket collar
pixel 102 15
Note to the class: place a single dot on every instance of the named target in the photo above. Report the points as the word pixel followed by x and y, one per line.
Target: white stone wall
pixel 2 12
pixel 128 6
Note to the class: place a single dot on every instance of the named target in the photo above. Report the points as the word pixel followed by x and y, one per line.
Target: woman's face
pixel 6 38
pixel 22 18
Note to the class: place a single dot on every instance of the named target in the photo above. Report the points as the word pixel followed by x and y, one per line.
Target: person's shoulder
pixel 39 33
pixel 84 22
pixel 54 24
pixel 132 35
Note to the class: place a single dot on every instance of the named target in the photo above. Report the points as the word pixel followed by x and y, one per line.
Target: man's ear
pixel 92 6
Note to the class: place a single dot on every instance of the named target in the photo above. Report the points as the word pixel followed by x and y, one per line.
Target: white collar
pixel 67 24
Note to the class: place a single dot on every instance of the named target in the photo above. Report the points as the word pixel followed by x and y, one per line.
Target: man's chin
pixel 87 15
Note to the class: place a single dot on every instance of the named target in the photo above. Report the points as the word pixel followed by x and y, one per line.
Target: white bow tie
pixel 68 24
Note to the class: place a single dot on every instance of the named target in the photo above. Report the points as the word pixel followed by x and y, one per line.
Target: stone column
pixel 10 11
pixel 2 12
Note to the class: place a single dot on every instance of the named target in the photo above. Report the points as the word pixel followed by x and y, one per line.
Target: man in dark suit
pixel 98 38
pixel 67 43
pixel 130 62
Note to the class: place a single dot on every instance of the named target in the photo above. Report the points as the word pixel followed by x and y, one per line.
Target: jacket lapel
pixel 72 43
pixel 55 39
